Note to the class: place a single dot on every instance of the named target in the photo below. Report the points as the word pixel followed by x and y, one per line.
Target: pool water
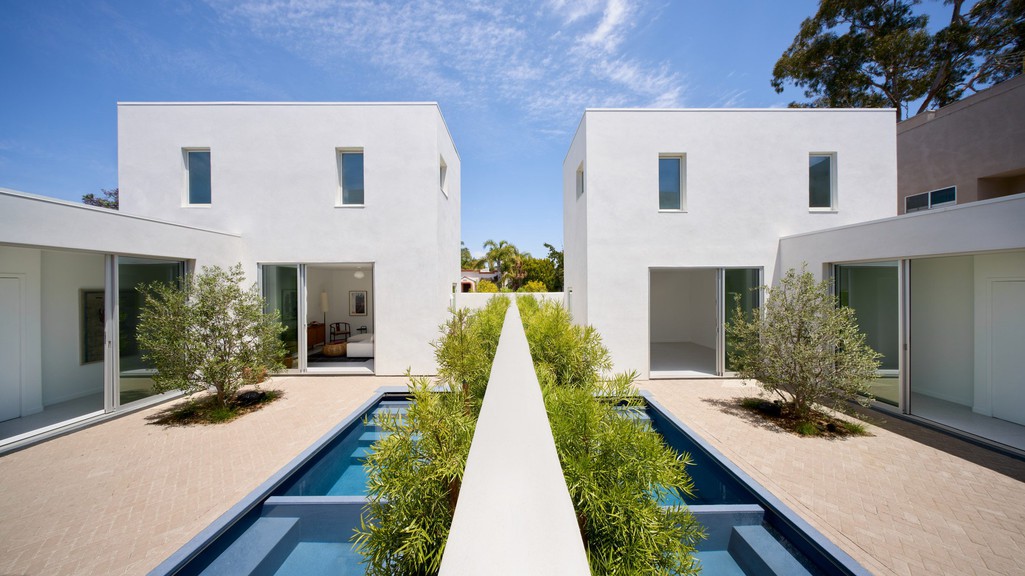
pixel 302 520
pixel 339 471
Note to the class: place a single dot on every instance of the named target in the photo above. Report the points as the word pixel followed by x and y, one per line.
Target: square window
pixel 822 181
pixel 580 180
pixel 197 167
pixel 350 177
pixel 671 182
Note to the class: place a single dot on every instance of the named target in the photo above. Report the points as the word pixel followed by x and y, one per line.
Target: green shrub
pixel 616 468
pixel 485 285
pixel 533 286
pixel 804 347
pixel 209 332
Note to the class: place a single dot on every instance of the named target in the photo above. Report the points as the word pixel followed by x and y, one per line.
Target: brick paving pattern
pixel 120 497
pixel 899 502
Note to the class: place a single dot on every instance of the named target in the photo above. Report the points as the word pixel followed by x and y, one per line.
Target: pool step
pixel 260 548
pixel 757 552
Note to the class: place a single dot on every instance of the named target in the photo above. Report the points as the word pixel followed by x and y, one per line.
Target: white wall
pixel 64 276
pixel 26 263
pixel 683 306
pixel 275 182
pixel 475 300
pixel 338 283
pixel 942 332
pixel 746 185
pixel 574 226
pixel 988 268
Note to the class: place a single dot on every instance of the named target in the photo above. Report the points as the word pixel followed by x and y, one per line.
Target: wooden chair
pixel 340 332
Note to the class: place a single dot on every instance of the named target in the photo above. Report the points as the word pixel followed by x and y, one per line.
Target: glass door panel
pixel 135 380
pixel 872 290
pixel 741 290
pixel 281 293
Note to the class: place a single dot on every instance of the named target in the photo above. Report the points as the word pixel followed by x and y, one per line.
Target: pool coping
pixel 842 559
pixel 195 546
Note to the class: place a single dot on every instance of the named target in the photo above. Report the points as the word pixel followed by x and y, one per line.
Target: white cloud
pixel 546 58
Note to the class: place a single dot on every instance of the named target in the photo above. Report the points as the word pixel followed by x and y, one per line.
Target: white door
pixel 1007 348
pixel 10 347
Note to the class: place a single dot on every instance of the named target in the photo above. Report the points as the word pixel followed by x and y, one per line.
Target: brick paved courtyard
pixel 120 497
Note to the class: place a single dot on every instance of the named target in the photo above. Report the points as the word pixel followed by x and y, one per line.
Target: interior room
pixel 340 317
pixel 53 302
pixel 683 321
pixel 966 337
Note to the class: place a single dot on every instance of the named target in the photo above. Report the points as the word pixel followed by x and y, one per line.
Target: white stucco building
pixel 668 213
pixel 347 215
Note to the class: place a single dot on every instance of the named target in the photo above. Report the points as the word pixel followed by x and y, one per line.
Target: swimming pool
pixel 300 520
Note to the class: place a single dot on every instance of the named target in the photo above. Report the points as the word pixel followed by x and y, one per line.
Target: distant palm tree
pixel 501 257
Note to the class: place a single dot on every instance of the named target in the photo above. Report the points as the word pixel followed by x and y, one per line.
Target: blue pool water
pixel 302 519
pixel 338 470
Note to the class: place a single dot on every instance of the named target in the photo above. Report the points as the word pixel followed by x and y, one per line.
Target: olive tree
pixel 804 347
pixel 209 332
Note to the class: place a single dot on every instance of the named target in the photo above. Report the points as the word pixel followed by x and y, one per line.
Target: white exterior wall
pixel 951 297
pixel 746 185
pixel 57 249
pixel 274 181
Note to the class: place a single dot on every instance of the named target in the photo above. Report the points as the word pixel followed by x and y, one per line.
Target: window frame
pixel 442 176
pixel 187 186
pixel 833 206
pixel 339 161
pixel 682 157
pixel 580 180
pixel 929 204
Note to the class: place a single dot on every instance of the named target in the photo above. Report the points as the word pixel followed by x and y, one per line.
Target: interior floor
pixel 681 360
pixel 52 416
pixel 963 418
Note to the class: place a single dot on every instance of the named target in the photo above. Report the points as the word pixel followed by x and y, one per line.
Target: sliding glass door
pixel 689 311
pixel 872 290
pixel 135 373
pixel 281 293
pixel 741 292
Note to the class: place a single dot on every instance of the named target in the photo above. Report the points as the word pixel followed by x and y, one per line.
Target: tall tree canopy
pixel 110 199
pixel 876 53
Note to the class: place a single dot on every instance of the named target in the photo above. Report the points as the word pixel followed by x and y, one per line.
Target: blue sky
pixel 512 78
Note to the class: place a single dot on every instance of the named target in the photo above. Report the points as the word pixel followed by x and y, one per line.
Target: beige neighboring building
pixel 973 149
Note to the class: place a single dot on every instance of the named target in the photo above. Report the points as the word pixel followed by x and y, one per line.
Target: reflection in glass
pixel 872 291
pixel 135 381
pixel 742 283
pixel 281 293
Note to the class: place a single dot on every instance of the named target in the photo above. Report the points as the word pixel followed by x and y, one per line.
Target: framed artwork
pixel 357 302
pixel 92 325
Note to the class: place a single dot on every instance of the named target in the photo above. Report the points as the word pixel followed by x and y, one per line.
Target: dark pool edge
pixel 768 500
pixel 194 547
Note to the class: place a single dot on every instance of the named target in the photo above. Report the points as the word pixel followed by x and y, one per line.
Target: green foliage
pixel 467 348
pixel 413 483
pixel 617 468
pixel 466 259
pixel 485 285
pixel 804 347
pixel 414 474
pixel 110 199
pixel 208 332
pixel 875 53
pixel 533 286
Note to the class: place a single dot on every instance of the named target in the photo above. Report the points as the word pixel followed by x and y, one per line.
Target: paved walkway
pixel 120 497
pixel 905 500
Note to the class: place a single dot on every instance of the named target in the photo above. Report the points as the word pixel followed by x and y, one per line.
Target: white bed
pixel 360 346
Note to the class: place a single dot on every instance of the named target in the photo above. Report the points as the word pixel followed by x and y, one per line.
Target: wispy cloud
pixel 545 58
